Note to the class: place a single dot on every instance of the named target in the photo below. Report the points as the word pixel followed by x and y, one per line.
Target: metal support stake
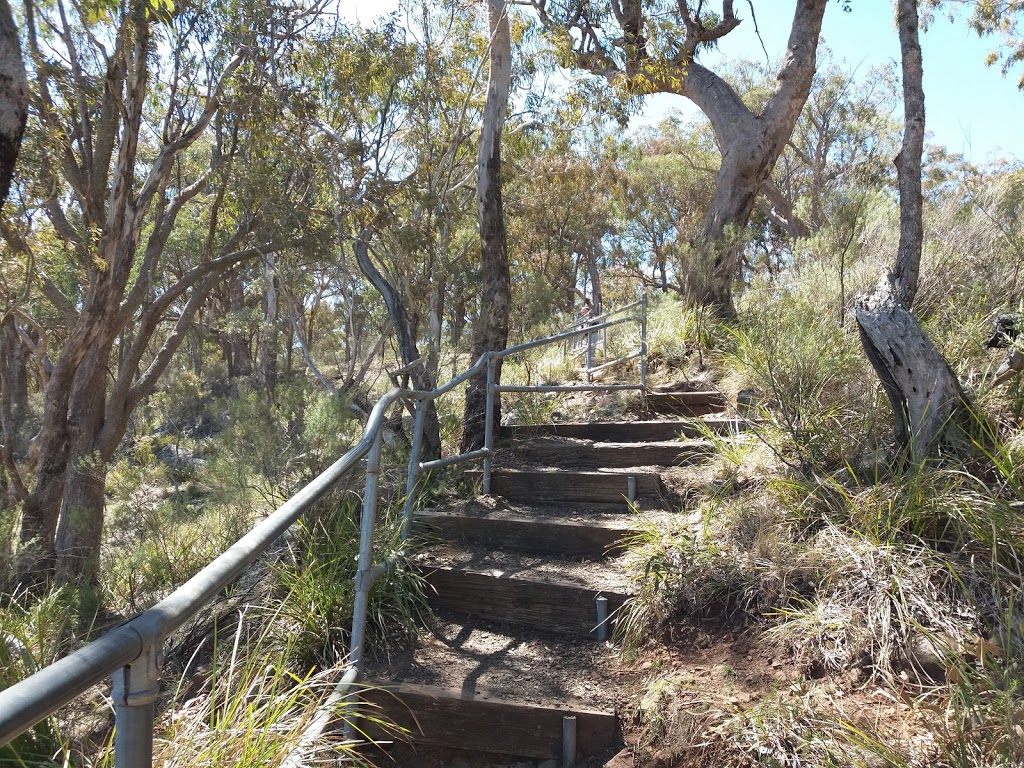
pixel 568 741
pixel 363 568
pixel 643 346
pixel 489 426
pixel 589 359
pixel 414 468
pixel 135 691
pixel 631 488
pixel 602 619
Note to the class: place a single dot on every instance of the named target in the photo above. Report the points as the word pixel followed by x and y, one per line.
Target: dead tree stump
pixel 924 391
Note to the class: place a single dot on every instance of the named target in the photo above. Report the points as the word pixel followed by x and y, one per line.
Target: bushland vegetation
pixel 232 227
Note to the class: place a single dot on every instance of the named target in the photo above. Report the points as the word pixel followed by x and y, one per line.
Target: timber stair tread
pixel 551 484
pixel 499 507
pixel 607 575
pixel 512 662
pixel 490 722
pixel 528 531
pixel 551 594
pixel 490 687
pixel 687 402
pixel 642 430
pixel 569 453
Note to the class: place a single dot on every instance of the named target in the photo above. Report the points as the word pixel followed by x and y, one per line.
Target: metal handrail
pixel 132 652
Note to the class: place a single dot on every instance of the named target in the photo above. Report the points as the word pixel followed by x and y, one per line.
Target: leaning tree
pixel 924 391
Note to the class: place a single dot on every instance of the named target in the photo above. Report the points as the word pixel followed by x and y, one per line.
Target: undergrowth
pixel 845 557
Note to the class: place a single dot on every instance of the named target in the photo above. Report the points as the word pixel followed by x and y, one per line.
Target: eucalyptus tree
pixel 391 108
pixel 642 48
pixel 490 332
pixel 137 125
pixel 667 177
pixel 844 141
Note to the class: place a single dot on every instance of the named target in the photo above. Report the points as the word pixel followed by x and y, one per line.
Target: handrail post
pixel 135 690
pixel 365 564
pixel 363 577
pixel 414 468
pixel 589 359
pixel 643 345
pixel 489 426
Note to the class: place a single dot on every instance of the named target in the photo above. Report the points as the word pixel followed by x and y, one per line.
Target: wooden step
pixel 687 403
pixel 484 722
pixel 624 431
pixel 547 486
pixel 539 533
pixel 591 455
pixel 524 664
pixel 532 600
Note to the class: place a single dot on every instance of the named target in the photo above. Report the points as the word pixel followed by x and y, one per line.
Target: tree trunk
pixel 922 388
pixel 458 321
pixel 80 528
pixel 490 332
pixel 435 320
pixel 596 294
pixel 908 161
pixel 13 98
pixel 14 357
pixel 406 345
pixel 237 353
pixel 13 407
pixel 267 371
pixel 718 244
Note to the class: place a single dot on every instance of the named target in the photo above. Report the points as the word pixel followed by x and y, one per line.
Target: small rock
pixel 548 764
pixel 622 760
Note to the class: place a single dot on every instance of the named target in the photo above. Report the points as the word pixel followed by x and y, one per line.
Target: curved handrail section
pixel 131 653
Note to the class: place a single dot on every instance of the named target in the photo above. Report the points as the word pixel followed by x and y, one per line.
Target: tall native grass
pixel 35 630
pixel 682 336
pixel 315 582
pixel 909 573
pixel 255 706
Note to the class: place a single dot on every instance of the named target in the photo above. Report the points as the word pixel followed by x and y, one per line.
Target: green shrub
pixel 254 710
pixel 819 394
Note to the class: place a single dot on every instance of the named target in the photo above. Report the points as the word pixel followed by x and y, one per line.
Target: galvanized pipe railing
pixel 132 653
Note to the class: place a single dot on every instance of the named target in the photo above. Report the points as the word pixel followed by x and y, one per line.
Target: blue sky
pixel 970 108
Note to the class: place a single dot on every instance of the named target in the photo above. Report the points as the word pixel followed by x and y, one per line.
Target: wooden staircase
pixel 515 579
